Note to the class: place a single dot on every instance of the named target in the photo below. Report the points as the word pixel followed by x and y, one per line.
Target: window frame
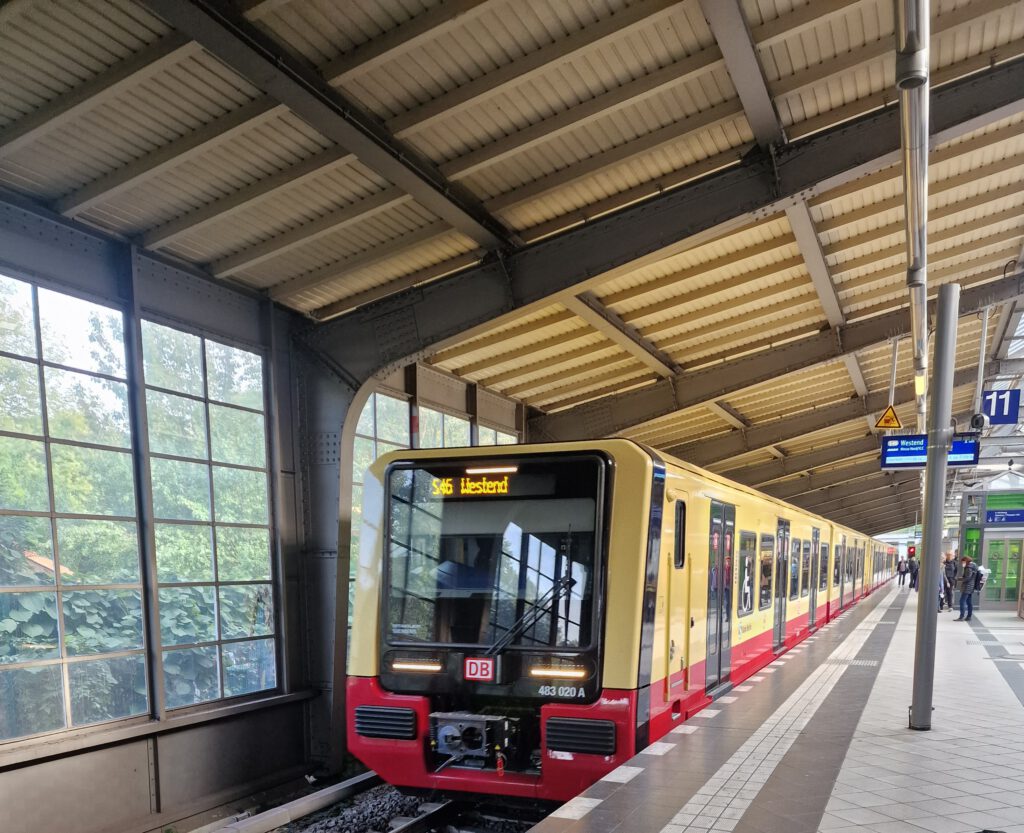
pixel 765 551
pixel 793 592
pixel 754 566
pixel 156 719
pixel 679 546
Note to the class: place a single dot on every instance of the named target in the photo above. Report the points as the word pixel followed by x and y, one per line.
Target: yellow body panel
pixel 681 593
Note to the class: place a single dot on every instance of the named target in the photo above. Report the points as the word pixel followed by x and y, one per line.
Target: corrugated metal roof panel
pixel 285 209
pixel 388 269
pixel 47 49
pixel 163 108
pixel 266 148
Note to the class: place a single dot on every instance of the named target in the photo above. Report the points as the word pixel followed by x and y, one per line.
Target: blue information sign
pixel 911 452
pixel 1001 406
pixel 1004 516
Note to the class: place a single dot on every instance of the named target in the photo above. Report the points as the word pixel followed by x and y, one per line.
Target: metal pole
pixel 892 370
pixel 981 361
pixel 940 434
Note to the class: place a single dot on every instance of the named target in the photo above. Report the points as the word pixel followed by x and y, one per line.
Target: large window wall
pixel 76 568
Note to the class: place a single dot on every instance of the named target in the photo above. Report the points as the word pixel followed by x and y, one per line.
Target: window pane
pixel 456 432
pixel 98 552
pixel 243 554
pixel 183 553
pixel 249 666
pixel 87 409
pixel 431 433
pixel 181 491
pixel 177 425
pixel 187 615
pixel 99 621
pixel 237 437
pixel 234 376
pixel 191 676
pixel 23 475
pixel 79 334
pixel 507 439
pixel 240 495
pixel 31 699
pixel 17 324
pixel 246 610
pixel 172 359
pixel 393 420
pixel 487 436
pixel 26 551
pixel 28 626
pixel 363 455
pixel 88 481
pixel 106 689
pixel 20 407
pixel 366 422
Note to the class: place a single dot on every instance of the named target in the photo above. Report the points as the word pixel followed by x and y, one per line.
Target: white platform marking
pixel 576 808
pixel 658 749
pixel 685 729
pixel 623 774
pixel 743 688
pixel 728 698
pixel 725 796
pixel 708 713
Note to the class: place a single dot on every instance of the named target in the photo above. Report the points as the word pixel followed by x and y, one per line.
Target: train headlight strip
pixel 558 672
pixel 423 667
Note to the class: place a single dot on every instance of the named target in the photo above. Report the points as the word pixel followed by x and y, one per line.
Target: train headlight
pixel 416 666
pixel 558 672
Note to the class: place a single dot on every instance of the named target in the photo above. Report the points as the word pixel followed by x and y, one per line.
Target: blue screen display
pixel 911 452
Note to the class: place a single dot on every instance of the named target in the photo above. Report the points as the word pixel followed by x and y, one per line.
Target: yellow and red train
pixel 529 617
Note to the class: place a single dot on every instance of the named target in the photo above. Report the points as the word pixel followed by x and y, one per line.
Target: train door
pixel 843 579
pixel 719 630
pixel 677 633
pixel 812 614
pixel 781 581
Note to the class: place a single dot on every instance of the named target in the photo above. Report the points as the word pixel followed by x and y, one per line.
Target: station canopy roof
pixel 333 154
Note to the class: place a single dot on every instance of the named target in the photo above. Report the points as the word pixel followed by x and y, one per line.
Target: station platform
pixel 819 740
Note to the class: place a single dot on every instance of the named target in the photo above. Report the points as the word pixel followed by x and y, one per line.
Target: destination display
pixel 911 451
pixel 475 486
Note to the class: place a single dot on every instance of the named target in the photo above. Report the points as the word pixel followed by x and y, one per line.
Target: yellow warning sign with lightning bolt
pixel 888 420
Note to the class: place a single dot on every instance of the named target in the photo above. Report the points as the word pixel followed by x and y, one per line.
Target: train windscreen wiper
pixel 532 616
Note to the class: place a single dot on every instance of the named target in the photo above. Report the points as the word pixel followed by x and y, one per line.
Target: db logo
pixel 479 669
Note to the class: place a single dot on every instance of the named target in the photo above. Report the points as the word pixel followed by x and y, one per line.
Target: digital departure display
pixel 480 485
pixel 910 451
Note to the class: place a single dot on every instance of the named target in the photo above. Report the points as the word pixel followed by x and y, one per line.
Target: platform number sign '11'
pixel 1001 406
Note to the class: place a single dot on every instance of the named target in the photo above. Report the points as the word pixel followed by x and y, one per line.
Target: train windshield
pixel 494 554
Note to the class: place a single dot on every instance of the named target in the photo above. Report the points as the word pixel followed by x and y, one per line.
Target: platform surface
pixel 819 741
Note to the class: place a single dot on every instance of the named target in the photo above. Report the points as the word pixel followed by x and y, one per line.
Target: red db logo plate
pixel 479 669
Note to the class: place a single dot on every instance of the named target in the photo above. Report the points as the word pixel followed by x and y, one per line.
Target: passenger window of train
pixel 805 578
pixel 836 565
pixel 748 557
pixel 765 578
pixel 823 568
pixel 794 569
pixel 680 553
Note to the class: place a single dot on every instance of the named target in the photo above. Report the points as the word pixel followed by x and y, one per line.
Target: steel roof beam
pixel 581 258
pixel 869 500
pixel 228 36
pixel 784 429
pixel 621 411
pixel 766 472
pixel 609 324
pixel 818 480
pixel 881 479
pixel 901 515
pixel 729 26
pixel 725 413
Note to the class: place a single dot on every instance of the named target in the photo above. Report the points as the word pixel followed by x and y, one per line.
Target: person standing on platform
pixel 968 580
pixel 901 570
pixel 949 568
pixel 913 567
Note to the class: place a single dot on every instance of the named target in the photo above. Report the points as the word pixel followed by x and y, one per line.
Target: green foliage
pixel 101 621
pixel 105 689
pixel 31 701
pixel 191 675
pixel 187 615
pixel 184 552
pixel 246 610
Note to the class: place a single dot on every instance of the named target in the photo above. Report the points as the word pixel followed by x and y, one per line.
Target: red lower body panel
pixel 405 763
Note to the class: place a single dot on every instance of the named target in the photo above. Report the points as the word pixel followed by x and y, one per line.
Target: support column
pixel 940 435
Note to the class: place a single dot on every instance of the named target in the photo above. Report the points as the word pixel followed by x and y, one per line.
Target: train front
pixel 476 651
